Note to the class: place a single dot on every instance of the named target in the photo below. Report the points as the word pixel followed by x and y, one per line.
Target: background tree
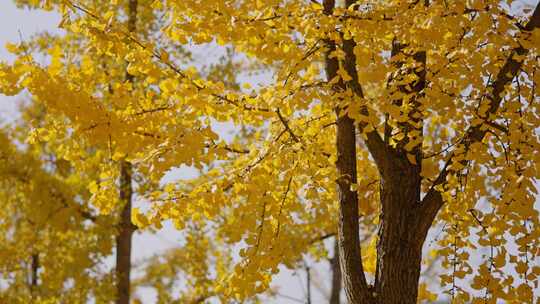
pixel 73 153
pixel 53 246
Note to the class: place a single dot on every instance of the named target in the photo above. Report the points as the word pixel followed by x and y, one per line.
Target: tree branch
pixel 433 200
pixel 286 125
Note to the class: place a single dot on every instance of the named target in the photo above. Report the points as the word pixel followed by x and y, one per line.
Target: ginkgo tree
pixel 400 114
pixel 106 188
pixel 56 248
pixel 53 246
pixel 79 153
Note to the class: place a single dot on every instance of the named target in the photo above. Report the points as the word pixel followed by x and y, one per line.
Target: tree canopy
pixel 377 121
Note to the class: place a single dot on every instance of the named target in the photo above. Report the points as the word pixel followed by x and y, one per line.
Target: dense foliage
pixel 401 115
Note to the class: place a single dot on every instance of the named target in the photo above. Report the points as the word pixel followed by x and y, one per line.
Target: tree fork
pixel 399 248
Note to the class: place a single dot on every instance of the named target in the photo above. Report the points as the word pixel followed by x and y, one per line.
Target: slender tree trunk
pixel 126 227
pixel 35 269
pixel 348 232
pixel 34 275
pixel 123 239
pixel 354 280
pixel 308 284
pixel 335 292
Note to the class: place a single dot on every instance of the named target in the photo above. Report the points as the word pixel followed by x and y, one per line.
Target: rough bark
pixel 335 291
pixel 125 227
pixel 399 250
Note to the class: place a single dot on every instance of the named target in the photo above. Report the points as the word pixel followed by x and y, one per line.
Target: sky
pixel 17 24
pixel 14 24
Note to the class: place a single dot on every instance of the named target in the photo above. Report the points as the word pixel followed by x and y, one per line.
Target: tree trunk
pixel 399 247
pixel 399 250
pixel 335 292
pixel 34 275
pixel 308 284
pixel 126 227
pixel 354 280
pixel 348 231
pixel 35 269
pixel 123 239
